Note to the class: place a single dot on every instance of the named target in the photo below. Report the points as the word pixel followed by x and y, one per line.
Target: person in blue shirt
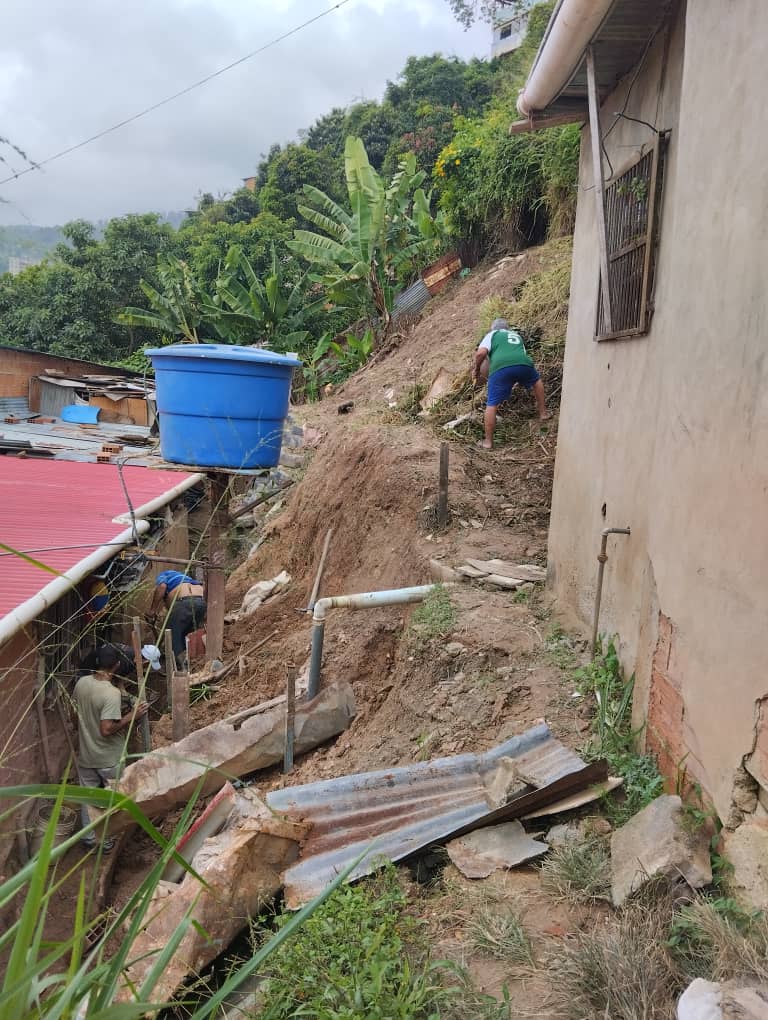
pixel 183 596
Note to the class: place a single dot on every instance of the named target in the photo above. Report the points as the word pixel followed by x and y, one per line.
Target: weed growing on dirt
pixel 435 616
pixel 501 935
pixel 559 649
pixel 613 737
pixel 718 940
pixel 467 1003
pixel 360 955
pixel 579 872
pixel 409 405
pixel 622 969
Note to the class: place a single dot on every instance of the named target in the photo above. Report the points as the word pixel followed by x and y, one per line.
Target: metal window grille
pixel 631 212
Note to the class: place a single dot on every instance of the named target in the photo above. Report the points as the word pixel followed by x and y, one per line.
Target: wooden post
pixel 180 705
pixel 290 717
pixel 216 581
pixel 597 173
pixel 442 499
pixel 170 669
pixel 41 723
pixel 319 575
pixel 146 738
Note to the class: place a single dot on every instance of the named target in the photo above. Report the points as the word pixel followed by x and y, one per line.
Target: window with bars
pixel 632 204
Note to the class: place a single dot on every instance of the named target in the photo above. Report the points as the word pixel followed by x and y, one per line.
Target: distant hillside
pixel 30 242
pixel 26 241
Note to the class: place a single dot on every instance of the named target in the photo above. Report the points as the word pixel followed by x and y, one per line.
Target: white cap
pixel 152 655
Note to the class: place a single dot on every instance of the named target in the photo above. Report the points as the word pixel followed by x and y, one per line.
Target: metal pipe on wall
pixel 365 600
pixel 601 559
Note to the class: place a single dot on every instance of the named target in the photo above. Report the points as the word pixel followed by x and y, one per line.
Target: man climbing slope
pixel 504 361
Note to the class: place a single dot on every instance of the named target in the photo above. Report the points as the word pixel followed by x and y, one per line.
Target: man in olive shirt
pixel 101 727
pixel 504 361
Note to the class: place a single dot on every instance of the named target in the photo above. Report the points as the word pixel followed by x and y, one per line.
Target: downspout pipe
pixel 601 560
pixel 572 27
pixel 365 600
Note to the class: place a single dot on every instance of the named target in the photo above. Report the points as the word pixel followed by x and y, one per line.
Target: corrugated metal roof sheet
pixel 49 502
pixel 16 406
pixel 406 809
pixel 412 300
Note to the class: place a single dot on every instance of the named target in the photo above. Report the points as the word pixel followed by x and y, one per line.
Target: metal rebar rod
pixel 601 560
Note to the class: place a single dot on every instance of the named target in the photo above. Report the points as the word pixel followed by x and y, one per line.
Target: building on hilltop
pixel 664 416
pixel 509 27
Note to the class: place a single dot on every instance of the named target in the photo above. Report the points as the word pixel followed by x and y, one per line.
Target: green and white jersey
pixel 505 347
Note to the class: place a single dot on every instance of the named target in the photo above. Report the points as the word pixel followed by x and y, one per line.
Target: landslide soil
pixel 371 475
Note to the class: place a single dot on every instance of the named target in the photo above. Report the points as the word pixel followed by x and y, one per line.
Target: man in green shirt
pixel 504 361
pixel 101 728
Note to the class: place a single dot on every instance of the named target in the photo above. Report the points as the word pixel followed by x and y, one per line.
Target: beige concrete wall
pixel 670 431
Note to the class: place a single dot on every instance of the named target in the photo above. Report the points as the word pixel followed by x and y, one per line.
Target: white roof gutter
pixel 29 611
pixel 573 25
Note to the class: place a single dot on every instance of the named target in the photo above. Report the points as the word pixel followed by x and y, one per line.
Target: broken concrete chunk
pixel 454 649
pixel 250 740
pixel 710 1000
pixel 241 868
pixel 505 782
pixel 747 850
pixel 260 592
pixel 440 386
pixel 480 853
pixel 657 841
pixel 441 572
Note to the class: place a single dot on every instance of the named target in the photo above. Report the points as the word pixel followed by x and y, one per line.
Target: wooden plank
pixel 516 571
pixel 216 580
pixel 597 174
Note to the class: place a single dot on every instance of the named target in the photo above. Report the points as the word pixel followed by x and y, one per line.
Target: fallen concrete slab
pixel 243 743
pixel 480 853
pixel 657 841
pixel 241 867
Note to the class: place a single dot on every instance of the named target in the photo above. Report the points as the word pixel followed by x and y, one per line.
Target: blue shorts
pixel 500 383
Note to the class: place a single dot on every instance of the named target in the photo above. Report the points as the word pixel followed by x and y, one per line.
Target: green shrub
pixel 435 616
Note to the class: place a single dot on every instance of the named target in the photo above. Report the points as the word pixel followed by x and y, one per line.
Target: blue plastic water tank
pixel 221 405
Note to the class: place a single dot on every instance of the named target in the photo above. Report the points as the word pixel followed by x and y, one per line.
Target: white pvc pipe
pixel 28 611
pixel 159 501
pixel 365 600
pixel 370 599
pixel 572 27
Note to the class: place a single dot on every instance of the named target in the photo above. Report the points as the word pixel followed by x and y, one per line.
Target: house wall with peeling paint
pixel 669 432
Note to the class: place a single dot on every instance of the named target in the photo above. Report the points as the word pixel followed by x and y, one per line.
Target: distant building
pixel 18 262
pixel 249 183
pixel 509 29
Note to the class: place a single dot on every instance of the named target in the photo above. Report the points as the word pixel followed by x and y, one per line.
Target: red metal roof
pixel 59 503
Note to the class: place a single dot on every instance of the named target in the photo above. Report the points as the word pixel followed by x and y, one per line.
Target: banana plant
pixel 179 307
pixel 271 309
pixel 358 253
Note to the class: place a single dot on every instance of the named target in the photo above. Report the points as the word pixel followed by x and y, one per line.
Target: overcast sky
pixel 68 70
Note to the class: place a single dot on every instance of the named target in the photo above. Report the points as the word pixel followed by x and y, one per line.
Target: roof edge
pixel 572 27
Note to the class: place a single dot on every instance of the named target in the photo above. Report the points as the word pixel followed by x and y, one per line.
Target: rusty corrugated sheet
pixel 406 809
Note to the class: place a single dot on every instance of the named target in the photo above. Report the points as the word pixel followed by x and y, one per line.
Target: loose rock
pixel 747 850
pixel 658 842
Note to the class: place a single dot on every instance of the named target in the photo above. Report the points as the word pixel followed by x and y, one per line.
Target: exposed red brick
pixel 663 651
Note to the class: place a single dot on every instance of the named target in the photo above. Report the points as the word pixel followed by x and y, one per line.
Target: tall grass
pixel 72 980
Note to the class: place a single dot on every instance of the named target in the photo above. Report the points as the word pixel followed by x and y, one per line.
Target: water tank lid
pixel 227 352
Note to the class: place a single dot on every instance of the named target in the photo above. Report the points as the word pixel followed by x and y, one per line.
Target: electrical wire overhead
pixel 176 95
